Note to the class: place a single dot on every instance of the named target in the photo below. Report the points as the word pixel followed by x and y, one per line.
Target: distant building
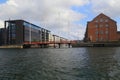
pixel 101 29
pixel 20 31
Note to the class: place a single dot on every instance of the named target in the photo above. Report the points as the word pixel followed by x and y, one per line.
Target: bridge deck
pixel 50 42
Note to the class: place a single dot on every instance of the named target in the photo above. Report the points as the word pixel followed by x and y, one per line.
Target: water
pixel 60 64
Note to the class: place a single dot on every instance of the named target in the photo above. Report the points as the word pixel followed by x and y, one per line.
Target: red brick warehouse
pixel 101 29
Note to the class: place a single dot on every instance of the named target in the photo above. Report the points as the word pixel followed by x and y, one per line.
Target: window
pixel 96 26
pixel 11 32
pixel 96 32
pixel 26 24
pixel 106 20
pixel 13 35
pixel 96 21
pixel 107 25
pixel 101 25
pixel 106 32
pixel 101 19
pixel 96 39
pixel 101 32
pixel 101 39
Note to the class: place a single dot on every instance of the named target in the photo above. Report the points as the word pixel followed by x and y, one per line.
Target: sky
pixel 66 18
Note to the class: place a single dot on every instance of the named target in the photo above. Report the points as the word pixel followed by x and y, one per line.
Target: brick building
pixel 118 35
pixel 101 29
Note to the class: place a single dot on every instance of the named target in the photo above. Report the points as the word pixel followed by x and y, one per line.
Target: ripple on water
pixel 60 64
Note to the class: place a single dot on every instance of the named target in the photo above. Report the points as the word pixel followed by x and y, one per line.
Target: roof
pixel 101 14
pixel 28 23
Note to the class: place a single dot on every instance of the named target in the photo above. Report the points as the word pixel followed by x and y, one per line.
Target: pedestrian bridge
pixel 59 43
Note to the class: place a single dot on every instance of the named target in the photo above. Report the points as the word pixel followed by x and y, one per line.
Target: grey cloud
pixel 109 7
pixel 54 13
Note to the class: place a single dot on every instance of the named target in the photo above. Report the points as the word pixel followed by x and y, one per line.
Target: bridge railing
pixel 50 42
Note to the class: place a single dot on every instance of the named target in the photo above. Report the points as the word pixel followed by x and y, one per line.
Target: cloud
pixel 78 33
pixel 54 15
pixel 57 16
pixel 1 24
pixel 109 7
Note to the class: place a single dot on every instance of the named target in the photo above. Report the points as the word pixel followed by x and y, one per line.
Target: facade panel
pixel 2 36
pixel 20 31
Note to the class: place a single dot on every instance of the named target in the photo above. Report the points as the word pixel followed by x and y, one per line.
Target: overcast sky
pixel 66 18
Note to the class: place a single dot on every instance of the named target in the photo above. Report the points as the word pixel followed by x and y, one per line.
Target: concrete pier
pixel 12 46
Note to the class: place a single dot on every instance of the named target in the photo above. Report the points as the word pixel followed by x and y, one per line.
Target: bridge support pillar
pixel 69 44
pixel 54 45
pixel 27 46
pixel 59 45
pixel 42 46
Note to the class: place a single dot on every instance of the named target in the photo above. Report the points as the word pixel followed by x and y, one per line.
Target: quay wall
pixel 96 45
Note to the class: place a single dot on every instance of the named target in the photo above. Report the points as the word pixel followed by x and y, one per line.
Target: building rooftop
pixel 101 15
pixel 28 23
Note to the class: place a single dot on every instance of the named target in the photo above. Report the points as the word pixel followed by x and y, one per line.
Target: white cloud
pixel 57 15
pixel 54 14
pixel 1 24
pixel 109 7
pixel 11 3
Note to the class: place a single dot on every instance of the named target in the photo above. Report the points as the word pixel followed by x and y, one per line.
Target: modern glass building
pixel 20 31
pixel 2 36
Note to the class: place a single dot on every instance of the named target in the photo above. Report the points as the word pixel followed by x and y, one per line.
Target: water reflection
pixel 60 64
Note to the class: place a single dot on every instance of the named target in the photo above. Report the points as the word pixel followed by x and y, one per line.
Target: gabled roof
pixel 101 15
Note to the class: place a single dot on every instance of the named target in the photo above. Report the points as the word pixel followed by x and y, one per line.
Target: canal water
pixel 101 63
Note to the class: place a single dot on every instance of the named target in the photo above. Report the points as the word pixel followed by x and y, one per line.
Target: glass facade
pixel 2 36
pixel 11 32
pixel 33 33
pixel 20 31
